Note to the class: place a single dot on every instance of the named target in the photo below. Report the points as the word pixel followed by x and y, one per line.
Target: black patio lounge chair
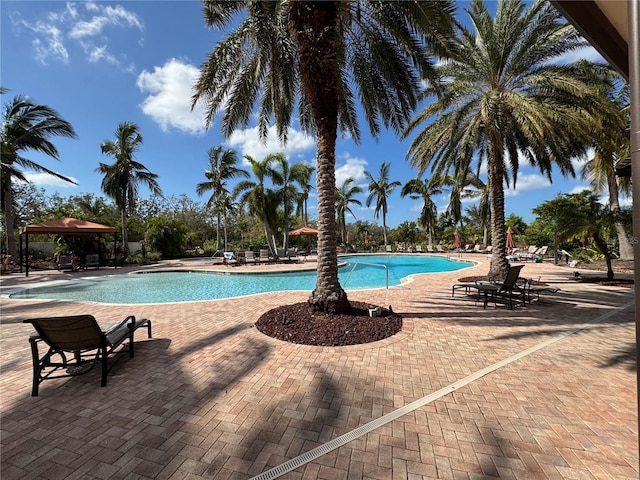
pixel 65 262
pixel 81 338
pixel 508 289
pixel 92 261
pixel 532 289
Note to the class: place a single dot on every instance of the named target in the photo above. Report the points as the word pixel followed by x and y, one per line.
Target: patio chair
pixel 217 258
pixel 92 261
pixel 388 248
pixel 230 258
pixel 440 249
pixel 249 257
pixel 292 255
pixel 430 249
pixel 530 289
pixel 264 256
pixel 508 289
pixel 419 249
pixel 65 262
pixel 81 337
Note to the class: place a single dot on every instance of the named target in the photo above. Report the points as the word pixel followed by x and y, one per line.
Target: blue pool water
pixel 361 271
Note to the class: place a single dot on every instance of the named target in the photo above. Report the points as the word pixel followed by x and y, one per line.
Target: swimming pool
pixel 360 271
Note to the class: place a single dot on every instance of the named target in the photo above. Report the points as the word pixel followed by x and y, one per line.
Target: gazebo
pixel 65 226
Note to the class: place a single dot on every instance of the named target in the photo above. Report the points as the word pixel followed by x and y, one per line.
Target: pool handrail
pixel 386 270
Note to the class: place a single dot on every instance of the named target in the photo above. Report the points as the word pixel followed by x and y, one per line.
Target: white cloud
pixel 526 182
pixel 106 16
pixel 55 35
pixel 248 141
pixel 46 180
pixel 352 167
pixel 50 45
pixel 578 189
pixel 169 99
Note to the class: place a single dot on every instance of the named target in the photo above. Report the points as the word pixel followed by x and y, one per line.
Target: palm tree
pixel 222 168
pixel 254 194
pixel 506 95
pixel 26 126
pixel 612 143
pixel 344 200
pixel 284 176
pixel 309 57
pixel 305 185
pixel 121 179
pixel 223 205
pixel 416 188
pixel 379 190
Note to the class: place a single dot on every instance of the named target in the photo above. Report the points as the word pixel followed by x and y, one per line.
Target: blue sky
pixel 102 63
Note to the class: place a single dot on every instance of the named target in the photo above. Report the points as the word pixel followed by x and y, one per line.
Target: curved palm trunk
pixel 602 246
pixel 315 26
pixel 267 232
pixel 499 264
pixel 625 246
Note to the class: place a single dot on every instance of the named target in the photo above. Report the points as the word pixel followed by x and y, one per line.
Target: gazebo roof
pixel 67 226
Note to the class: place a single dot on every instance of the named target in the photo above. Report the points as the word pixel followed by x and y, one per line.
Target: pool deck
pixel 546 391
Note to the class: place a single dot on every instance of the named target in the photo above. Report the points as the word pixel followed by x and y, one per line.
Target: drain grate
pixel 337 442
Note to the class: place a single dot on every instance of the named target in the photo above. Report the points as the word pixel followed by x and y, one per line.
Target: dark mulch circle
pixel 616 282
pixel 296 324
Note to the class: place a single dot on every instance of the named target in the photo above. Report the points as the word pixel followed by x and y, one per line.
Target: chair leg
pixel 105 370
pixel 36 368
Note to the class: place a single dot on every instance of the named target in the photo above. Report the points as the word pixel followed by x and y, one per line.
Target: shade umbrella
pixel 303 232
pixel 456 239
pixel 510 244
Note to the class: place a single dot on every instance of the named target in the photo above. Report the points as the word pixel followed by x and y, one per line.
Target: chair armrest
pixel 119 325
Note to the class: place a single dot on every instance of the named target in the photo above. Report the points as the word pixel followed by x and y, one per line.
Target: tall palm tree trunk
pixel 285 239
pixel 328 295
pixel 9 220
pixel 125 234
pixel 267 232
pixel 625 246
pixel 499 264
pixel 218 232
pixel 225 231
pixel 315 26
pixel 384 228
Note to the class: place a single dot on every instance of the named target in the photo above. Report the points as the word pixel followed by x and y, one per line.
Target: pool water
pixel 361 271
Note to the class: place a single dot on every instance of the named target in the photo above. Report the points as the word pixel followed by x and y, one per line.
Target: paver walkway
pixel 211 397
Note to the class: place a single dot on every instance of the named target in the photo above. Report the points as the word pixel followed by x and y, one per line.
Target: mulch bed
pixel 296 324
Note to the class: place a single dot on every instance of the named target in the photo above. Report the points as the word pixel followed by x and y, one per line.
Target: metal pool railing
pixel 386 269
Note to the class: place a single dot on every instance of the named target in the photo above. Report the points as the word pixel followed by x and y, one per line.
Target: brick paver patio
pixel 211 397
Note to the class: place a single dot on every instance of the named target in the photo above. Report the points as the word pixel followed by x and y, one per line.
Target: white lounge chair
pixel 230 258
